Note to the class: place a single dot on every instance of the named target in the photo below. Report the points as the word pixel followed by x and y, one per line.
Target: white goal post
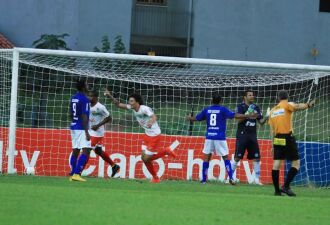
pixel 41 81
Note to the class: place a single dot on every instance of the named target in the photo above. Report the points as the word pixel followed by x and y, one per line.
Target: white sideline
pixel 176 59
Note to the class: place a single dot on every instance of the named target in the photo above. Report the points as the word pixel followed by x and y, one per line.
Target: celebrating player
pixel 246 135
pixel 215 117
pixel 151 140
pixel 99 116
pixel 284 143
pixel 79 113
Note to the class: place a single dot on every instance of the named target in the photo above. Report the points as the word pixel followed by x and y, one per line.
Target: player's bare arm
pixel 243 116
pixel 237 116
pixel 191 118
pixel 115 101
pixel 103 122
pixel 303 106
pixel 265 118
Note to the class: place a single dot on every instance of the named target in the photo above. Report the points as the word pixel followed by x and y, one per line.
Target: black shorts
pixel 247 142
pixel 287 150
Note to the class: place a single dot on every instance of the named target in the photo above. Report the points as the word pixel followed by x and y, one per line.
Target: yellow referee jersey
pixel 280 118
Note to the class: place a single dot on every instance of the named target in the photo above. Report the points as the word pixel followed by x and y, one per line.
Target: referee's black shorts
pixel 247 142
pixel 287 150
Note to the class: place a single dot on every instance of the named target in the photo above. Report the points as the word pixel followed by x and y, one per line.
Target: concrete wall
pixel 268 30
pixel 24 21
pixel 107 17
pixel 85 21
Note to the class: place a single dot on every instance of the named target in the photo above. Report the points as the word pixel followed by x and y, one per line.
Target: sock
pixel 106 157
pixel 73 163
pixel 234 165
pixel 81 163
pixel 256 167
pixel 159 155
pixel 151 169
pixel 228 168
pixel 275 177
pixel 291 174
pixel 205 170
pixel 85 163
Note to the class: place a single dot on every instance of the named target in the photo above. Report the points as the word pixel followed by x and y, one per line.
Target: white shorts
pixel 79 139
pixel 220 147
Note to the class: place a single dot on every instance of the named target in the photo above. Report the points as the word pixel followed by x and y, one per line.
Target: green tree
pixel 51 41
pixel 106 47
pixel 119 45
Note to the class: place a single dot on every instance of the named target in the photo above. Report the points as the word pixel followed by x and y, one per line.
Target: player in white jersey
pixel 151 147
pixel 99 116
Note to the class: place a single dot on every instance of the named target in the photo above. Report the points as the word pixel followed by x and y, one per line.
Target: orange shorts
pixel 151 144
pixel 96 141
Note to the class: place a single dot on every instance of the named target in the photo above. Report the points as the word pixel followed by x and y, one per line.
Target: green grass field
pixel 47 200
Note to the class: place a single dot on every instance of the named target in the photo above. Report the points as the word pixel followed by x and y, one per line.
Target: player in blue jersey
pixel 79 112
pixel 215 117
pixel 246 135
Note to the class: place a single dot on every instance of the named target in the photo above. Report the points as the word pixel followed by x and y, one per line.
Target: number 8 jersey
pixel 79 105
pixel 215 117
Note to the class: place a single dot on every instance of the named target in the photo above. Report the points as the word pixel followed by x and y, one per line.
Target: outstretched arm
pixel 114 100
pixel 243 116
pixel 302 106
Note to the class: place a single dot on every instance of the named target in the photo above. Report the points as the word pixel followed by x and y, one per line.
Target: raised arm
pixel 114 100
pixel 303 106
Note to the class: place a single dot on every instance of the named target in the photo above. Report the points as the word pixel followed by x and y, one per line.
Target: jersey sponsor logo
pixel 213 111
pixel 279 112
pixel 250 124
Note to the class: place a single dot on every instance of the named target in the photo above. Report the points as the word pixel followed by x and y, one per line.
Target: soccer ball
pixel 29 171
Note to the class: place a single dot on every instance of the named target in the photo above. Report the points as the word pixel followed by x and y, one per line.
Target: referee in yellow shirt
pixel 284 143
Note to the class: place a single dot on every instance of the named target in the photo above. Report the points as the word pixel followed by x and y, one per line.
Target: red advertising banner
pixel 48 151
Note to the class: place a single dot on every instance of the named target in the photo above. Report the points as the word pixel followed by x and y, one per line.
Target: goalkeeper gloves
pixel 250 110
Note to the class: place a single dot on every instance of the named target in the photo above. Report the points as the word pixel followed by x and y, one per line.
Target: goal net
pixel 36 86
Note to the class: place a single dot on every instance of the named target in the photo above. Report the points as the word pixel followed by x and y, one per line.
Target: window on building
pixel 324 6
pixel 151 2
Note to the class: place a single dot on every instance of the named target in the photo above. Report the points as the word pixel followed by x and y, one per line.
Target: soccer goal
pixel 36 86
